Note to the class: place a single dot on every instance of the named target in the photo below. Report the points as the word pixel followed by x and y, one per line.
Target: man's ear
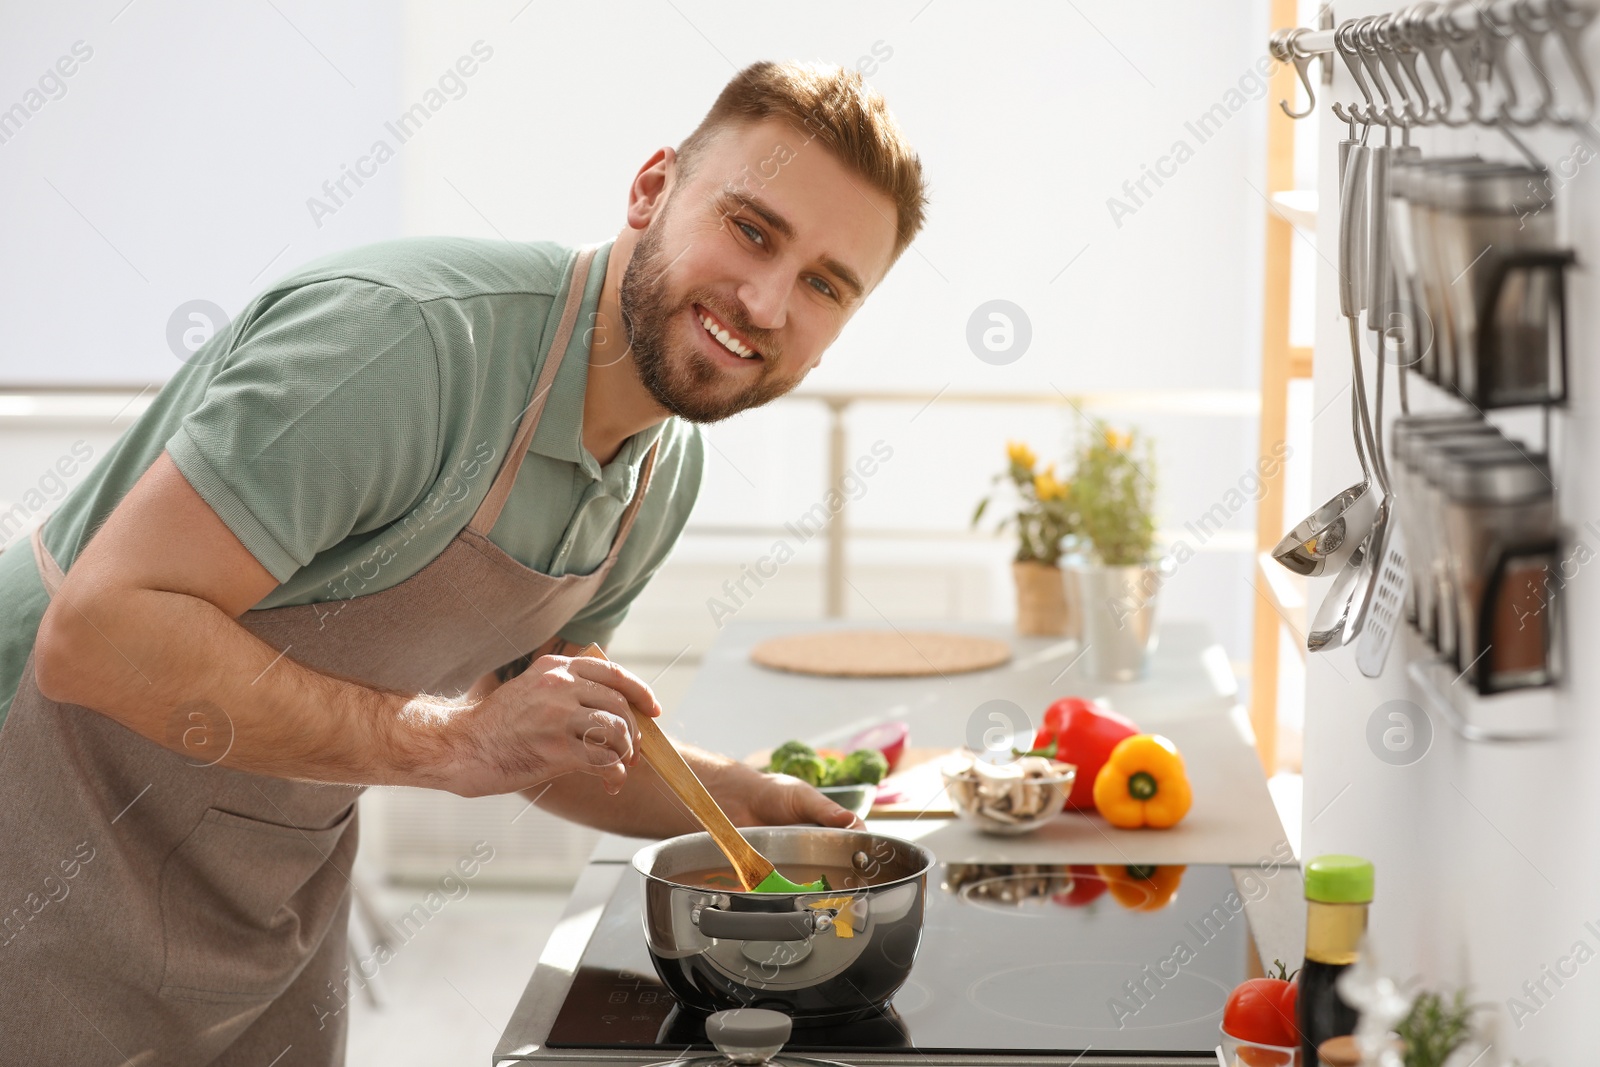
pixel 650 187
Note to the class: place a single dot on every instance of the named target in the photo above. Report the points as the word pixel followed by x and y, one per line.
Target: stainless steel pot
pixel 839 954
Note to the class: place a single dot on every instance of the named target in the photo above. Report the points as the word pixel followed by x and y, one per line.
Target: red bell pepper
pixel 1083 733
pixel 1086 886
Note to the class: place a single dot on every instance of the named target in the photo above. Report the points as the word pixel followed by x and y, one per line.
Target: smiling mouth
pixel 722 335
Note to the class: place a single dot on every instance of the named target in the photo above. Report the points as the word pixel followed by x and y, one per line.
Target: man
pixel 357 541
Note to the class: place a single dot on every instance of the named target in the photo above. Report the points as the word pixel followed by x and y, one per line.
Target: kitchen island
pixel 737 707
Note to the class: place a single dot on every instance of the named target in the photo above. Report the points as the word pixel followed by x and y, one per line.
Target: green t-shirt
pixel 351 419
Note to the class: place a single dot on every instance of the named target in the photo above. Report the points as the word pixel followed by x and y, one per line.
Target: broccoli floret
pixel 784 751
pixel 807 768
pixel 866 766
pixel 833 771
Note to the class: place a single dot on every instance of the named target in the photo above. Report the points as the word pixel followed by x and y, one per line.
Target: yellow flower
pixel 1046 486
pixel 1020 454
pixel 1117 441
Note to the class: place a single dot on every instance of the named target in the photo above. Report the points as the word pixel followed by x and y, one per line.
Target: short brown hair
pixel 837 106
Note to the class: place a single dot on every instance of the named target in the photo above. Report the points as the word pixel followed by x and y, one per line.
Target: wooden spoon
pixel 756 872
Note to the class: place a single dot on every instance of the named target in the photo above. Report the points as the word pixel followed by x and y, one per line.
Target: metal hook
pixel 1405 30
pixel 1367 49
pixel 1464 47
pixel 1569 21
pixel 1390 48
pixel 1301 63
pixel 1423 31
pixel 1345 46
pixel 1499 38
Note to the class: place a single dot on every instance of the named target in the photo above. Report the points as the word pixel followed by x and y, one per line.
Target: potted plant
pixel 1043 519
pixel 1119 578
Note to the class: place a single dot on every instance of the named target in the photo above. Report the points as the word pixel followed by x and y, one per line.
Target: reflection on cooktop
pixel 1013 958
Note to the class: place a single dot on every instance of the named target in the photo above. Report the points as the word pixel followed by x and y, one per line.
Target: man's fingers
pixel 593 694
pixel 623 711
pixel 607 739
pixel 814 807
pixel 619 678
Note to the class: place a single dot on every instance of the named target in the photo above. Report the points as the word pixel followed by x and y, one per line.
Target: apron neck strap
pixel 632 510
pixel 488 512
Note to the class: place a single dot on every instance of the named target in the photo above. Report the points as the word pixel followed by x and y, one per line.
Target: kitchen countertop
pixel 736 707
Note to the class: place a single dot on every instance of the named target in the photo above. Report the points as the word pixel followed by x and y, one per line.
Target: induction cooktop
pixel 1021 959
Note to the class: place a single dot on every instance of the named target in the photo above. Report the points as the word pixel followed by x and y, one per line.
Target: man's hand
pixel 754 798
pixel 562 714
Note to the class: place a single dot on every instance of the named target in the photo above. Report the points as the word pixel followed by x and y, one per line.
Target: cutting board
pixel 880 654
pixel 914 789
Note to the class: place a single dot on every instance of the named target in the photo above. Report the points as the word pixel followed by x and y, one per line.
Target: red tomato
pixel 1086 886
pixel 1084 734
pixel 1263 1010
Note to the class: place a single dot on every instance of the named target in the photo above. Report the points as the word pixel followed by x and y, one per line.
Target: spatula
pixel 756 872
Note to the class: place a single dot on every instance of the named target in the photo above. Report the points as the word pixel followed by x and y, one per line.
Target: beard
pixel 679 376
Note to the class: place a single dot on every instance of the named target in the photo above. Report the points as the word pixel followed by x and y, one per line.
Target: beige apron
pixel 156 911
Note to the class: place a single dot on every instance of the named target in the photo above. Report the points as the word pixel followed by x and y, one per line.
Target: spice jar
pixel 1500 531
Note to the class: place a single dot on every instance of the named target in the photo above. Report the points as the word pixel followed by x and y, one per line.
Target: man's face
pixel 770 243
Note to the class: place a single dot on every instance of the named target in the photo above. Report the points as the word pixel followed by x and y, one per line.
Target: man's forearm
pixel 177 670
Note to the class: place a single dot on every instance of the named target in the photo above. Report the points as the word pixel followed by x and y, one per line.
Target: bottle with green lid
pixel 1338 891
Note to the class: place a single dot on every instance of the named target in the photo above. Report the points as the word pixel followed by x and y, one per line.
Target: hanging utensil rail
pixel 1449 64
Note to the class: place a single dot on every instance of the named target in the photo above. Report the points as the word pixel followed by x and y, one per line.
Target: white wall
pixel 175 166
pixel 1484 853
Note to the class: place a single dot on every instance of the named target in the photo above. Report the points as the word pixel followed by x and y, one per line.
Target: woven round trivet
pixel 880 653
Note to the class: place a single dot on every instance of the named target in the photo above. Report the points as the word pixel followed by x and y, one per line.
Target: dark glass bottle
pixel 1338 891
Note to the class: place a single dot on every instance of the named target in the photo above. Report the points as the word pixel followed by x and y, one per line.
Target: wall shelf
pixel 1521 715
pixel 1299 208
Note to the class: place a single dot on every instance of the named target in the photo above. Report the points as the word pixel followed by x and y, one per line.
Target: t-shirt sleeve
pixel 321 422
pixel 668 501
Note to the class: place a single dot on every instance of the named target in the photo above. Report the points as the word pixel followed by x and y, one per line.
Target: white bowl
pixel 973 796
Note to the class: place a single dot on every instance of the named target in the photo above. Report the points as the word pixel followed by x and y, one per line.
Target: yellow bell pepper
pixel 1140 888
pixel 1143 783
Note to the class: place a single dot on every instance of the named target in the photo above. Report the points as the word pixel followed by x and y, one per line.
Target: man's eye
pixel 749 231
pixel 821 285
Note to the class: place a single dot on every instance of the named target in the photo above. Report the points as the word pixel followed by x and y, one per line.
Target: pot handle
pixel 761 925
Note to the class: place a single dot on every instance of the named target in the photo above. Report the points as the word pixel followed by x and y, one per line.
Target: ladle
pixel 756 872
pixel 1329 537
pixel 1343 610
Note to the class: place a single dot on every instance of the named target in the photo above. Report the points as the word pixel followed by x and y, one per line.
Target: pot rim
pixel 641 859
